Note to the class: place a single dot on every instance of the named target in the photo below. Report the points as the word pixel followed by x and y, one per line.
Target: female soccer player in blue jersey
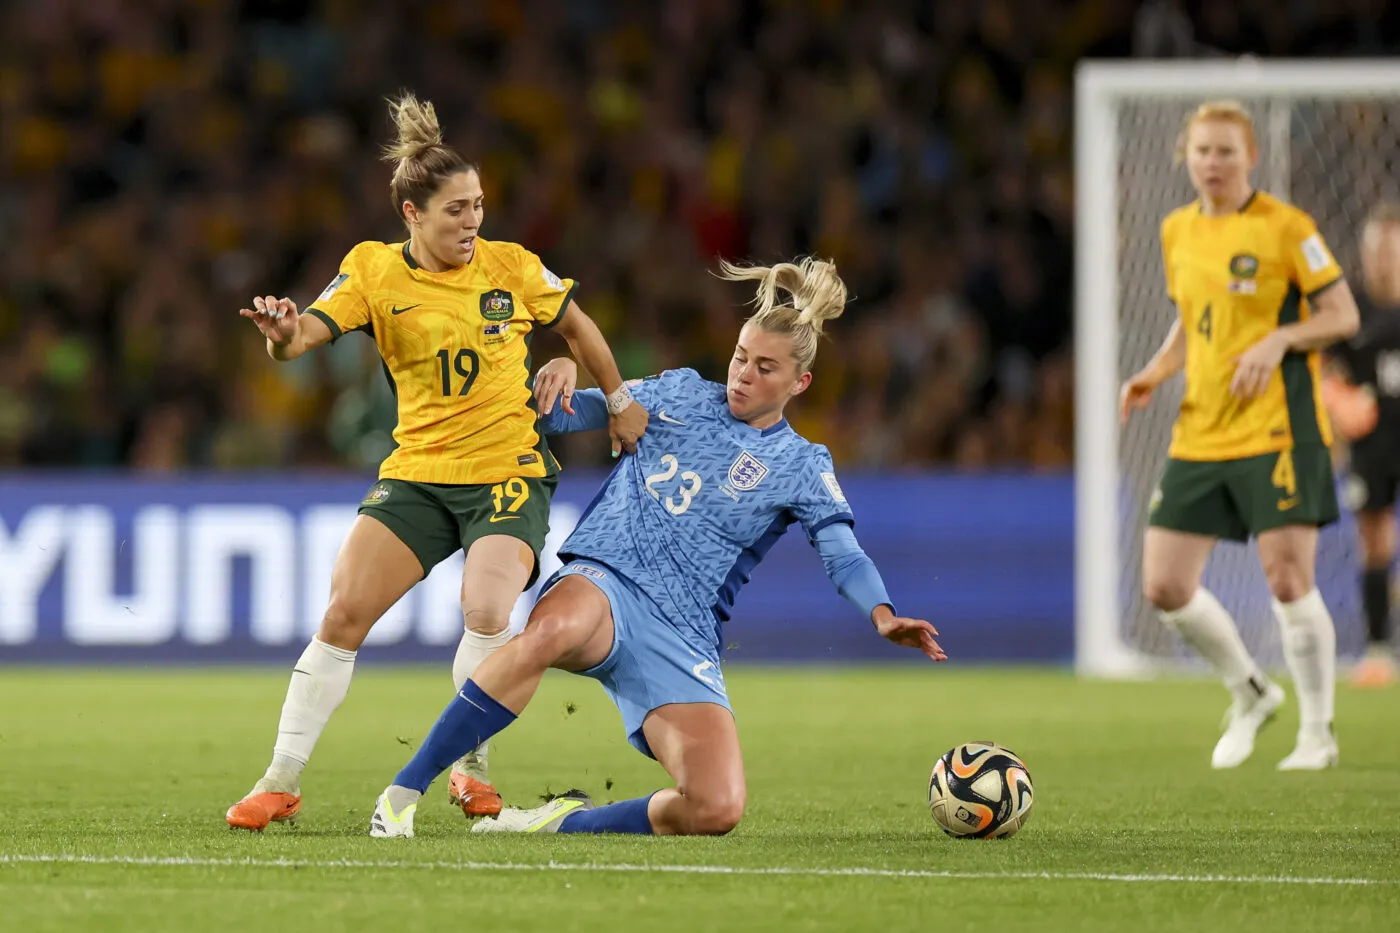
pixel 652 569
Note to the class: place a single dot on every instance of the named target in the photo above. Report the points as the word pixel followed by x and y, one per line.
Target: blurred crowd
pixel 162 161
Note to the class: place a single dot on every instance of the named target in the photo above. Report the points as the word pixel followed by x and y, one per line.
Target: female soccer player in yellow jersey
pixel 452 316
pixel 1258 295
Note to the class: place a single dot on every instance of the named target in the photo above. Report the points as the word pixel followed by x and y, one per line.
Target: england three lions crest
pixel 746 472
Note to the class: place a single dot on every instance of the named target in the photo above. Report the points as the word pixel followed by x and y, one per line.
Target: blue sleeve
pixel 850 569
pixel 590 413
pixel 591 406
pixel 817 499
pixel 666 388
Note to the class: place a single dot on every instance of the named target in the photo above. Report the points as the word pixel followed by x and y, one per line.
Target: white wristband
pixel 619 400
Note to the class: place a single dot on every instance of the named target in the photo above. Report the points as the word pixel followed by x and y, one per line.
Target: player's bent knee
pixel 344 624
pixel 1165 594
pixel 717 814
pixel 486 620
pixel 1288 578
pixel 552 635
pixel 1289 584
pixel 718 820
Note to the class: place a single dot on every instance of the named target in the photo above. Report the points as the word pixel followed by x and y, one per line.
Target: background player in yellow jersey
pixel 1258 295
pixel 452 316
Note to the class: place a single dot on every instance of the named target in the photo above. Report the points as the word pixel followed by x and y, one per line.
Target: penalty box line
pixel 185 861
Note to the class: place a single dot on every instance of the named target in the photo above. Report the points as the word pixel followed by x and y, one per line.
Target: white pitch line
pixel 199 862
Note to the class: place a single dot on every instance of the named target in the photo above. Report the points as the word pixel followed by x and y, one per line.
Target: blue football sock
pixel 470 719
pixel 629 816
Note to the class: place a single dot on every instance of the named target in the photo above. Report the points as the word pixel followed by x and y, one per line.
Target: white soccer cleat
pixel 1242 723
pixel 1315 751
pixel 544 819
pixel 386 824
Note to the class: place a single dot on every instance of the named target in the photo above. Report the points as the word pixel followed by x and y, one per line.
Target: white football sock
pixel 1206 626
pixel 1310 647
pixel 320 681
pixel 471 651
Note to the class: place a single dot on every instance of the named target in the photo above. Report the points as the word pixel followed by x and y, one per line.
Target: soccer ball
pixel 980 791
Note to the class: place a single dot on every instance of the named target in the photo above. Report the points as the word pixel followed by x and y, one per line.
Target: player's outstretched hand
pixel 912 633
pixel 275 317
pixel 555 382
pixel 627 427
pixel 1136 393
pixel 1256 366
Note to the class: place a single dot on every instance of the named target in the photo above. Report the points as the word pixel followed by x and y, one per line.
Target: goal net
pixel 1329 138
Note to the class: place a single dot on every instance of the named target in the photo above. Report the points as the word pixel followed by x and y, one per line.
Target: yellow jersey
pixel 456 349
pixel 1234 279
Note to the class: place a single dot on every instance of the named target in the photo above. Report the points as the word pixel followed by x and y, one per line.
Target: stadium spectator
pixel 160 157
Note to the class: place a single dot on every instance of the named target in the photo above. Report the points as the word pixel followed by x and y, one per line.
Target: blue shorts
pixel 651 663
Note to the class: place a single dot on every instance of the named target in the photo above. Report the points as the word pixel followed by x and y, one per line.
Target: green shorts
pixel 1236 499
pixel 436 520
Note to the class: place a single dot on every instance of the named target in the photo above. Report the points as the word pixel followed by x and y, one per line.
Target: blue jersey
pixel 689 516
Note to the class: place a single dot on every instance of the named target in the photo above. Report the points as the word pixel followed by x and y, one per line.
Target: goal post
pixel 1329 139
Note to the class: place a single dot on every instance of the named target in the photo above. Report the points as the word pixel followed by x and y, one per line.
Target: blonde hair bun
pixel 816 293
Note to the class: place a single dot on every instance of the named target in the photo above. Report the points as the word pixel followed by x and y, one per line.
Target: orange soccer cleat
pixel 257 810
pixel 475 797
pixel 1374 671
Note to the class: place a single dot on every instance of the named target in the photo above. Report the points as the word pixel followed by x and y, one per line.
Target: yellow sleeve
pixel 545 294
pixel 343 305
pixel 1167 258
pixel 1313 266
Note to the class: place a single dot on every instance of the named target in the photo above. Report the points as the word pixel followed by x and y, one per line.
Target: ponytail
pixel 421 161
pixel 816 294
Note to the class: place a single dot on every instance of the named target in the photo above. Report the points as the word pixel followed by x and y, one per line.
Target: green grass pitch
pixel 116 782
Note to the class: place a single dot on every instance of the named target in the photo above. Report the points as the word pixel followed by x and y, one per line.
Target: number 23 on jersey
pixel 690 486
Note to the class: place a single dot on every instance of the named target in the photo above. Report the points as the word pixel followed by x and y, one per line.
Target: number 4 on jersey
pixel 1203 325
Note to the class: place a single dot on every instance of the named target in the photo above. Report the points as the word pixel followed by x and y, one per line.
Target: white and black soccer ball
pixel 980 791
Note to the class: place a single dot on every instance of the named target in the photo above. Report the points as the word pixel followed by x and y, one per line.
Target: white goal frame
pixel 1100 649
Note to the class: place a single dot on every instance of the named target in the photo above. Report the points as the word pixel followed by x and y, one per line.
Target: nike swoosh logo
pixel 1285 504
pixel 501 518
pixel 409 308
pixel 668 419
pixel 470 700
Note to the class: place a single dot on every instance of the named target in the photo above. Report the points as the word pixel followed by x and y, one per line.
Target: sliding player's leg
pixel 1194 508
pixel 666 681
pixel 698 745
pixel 372 571
pixel 503 530
pixel 570 628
